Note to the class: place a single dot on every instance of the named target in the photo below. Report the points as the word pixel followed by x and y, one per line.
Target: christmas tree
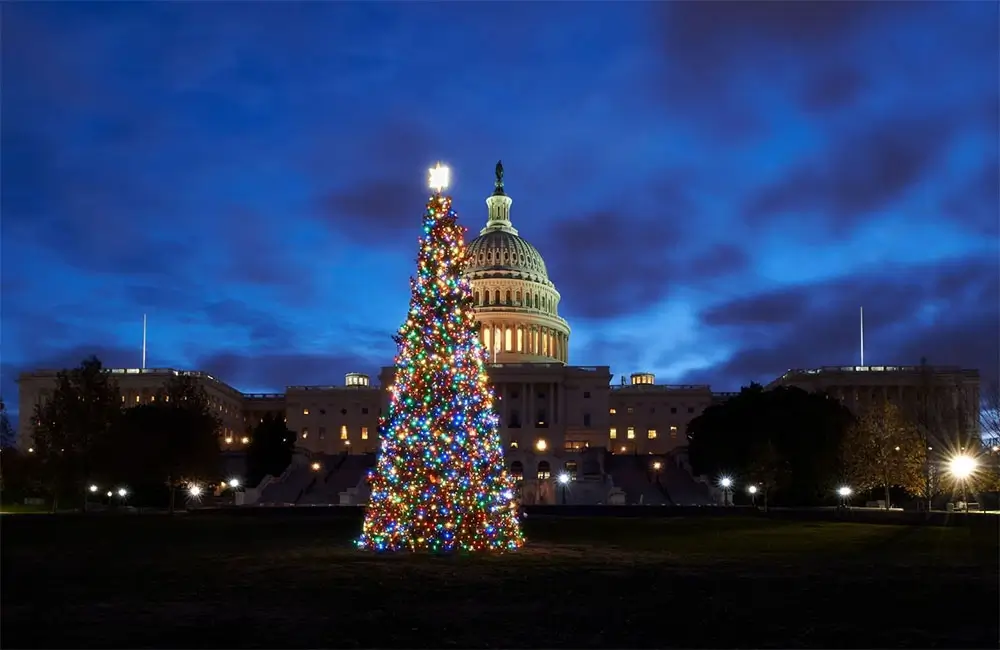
pixel 440 483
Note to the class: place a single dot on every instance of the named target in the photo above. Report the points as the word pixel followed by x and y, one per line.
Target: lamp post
pixel 564 482
pixel 962 467
pixel 92 489
pixel 753 496
pixel 844 493
pixel 727 484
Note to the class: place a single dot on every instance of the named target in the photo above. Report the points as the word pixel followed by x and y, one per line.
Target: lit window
pixel 651 434
pixel 631 433
pixel 673 432
pixel 629 409
pixel 343 432
pixel 305 411
pixel 364 433
pixel 322 433
pixel 305 433
pixel 136 399
pixel 612 411
pixel 614 433
pixel 123 398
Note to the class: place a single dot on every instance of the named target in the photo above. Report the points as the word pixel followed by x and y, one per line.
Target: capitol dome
pixel 501 250
pixel 516 303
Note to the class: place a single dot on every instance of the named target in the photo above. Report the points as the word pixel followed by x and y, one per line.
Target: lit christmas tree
pixel 441 484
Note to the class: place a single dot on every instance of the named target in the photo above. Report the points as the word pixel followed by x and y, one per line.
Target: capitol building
pixel 556 419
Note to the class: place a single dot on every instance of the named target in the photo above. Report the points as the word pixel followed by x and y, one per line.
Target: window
pixel 544 470
pixel 570 468
pixel 305 433
pixel 364 433
pixel 690 409
pixel 673 409
pixel 322 411
pixel 586 419
pixel 630 434
pixel 343 432
pixel 612 411
pixel 586 394
pixel 136 399
pixel 364 410
pixel 614 433
pixel 517 470
pixel 651 434
pixel 629 410
pixel 322 433
pixel 673 432
pixel 305 411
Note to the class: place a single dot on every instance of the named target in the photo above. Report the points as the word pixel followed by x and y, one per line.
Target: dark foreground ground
pixel 220 581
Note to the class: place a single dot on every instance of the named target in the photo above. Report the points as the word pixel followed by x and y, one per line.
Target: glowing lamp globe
pixel 962 466
pixel 752 489
pixel 844 491
pixel 564 478
pixel 726 482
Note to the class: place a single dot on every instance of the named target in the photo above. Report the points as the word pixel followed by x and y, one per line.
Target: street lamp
pixel 753 495
pixel 844 492
pixel 727 484
pixel 563 482
pixel 962 467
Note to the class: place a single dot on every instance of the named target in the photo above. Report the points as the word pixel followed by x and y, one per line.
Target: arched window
pixel 517 297
pixel 477 298
pixel 508 341
pixel 544 470
pixel 520 339
pixel 508 297
pixel 517 470
pixel 536 301
pixel 487 338
pixel 498 297
pixel 570 468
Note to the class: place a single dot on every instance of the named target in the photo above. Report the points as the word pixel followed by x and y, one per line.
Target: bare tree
pixel 883 449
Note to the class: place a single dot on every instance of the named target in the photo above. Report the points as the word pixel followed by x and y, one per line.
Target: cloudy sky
pixel 716 188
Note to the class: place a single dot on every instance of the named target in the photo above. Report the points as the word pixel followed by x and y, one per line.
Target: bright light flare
pixel 234 482
pixel 315 467
pixel 657 465
pixel 122 492
pixel 844 491
pixel 439 177
pixel 726 482
pixel 195 490
pixel 93 488
pixel 564 478
pixel 962 466
pixel 752 489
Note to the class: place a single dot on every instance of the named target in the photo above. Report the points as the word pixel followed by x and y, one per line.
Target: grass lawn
pixel 293 581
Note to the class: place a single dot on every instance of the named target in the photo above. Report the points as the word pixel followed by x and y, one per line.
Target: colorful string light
pixel 441 484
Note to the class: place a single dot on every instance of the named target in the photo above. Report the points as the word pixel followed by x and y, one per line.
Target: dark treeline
pixel 85 435
pixel 799 447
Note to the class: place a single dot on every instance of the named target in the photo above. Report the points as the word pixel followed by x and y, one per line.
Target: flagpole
pixel 862 337
pixel 144 341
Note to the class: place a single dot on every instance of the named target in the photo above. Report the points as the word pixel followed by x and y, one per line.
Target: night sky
pixel 716 188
